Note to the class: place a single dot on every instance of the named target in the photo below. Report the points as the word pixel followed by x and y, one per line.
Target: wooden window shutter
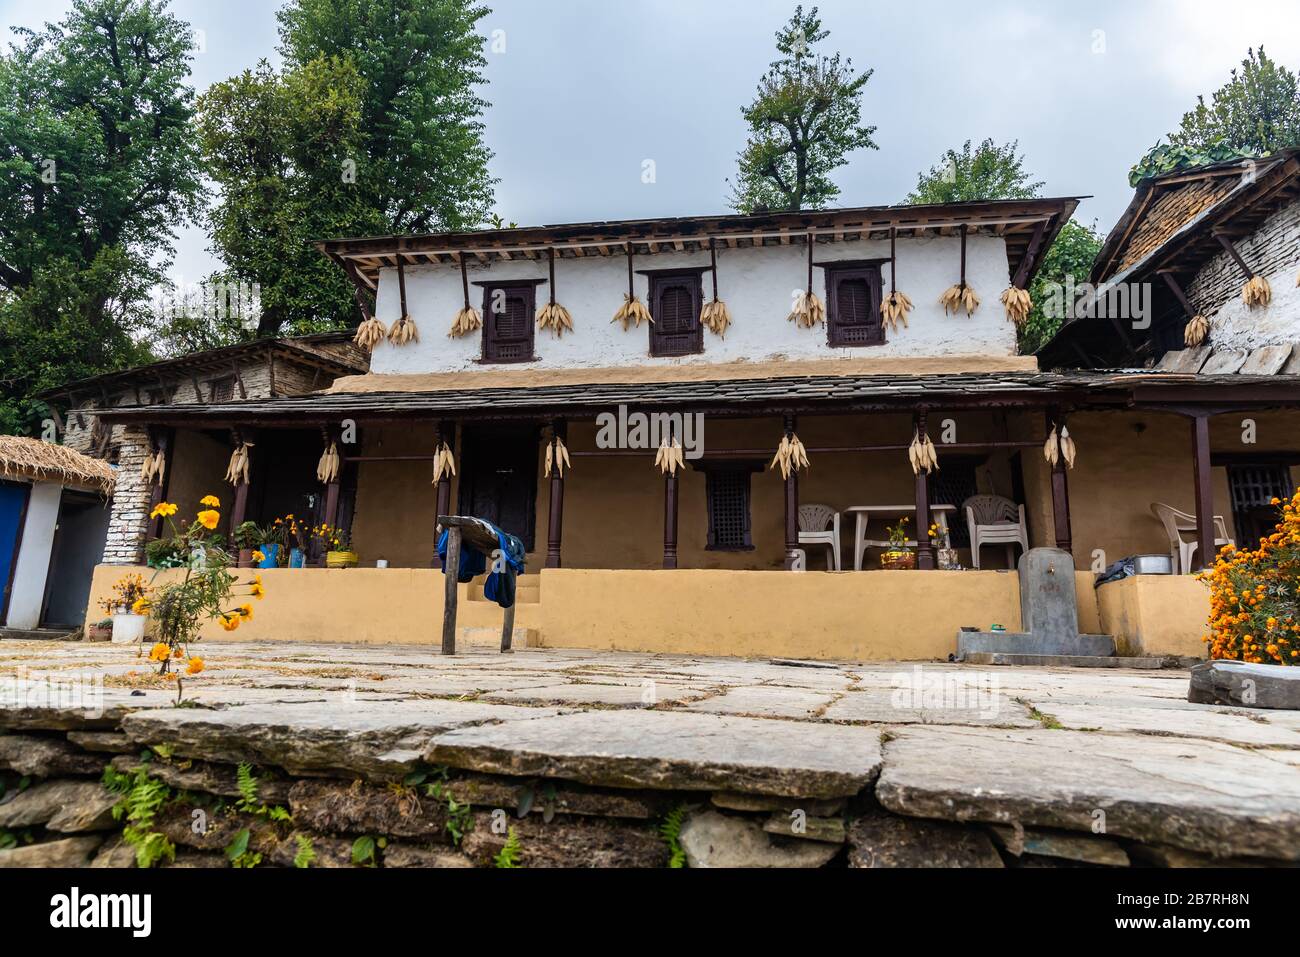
pixel 853 309
pixel 508 330
pixel 727 495
pixel 675 303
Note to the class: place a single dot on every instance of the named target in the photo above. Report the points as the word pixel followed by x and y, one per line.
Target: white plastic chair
pixel 820 525
pixel 994 520
pixel 1176 523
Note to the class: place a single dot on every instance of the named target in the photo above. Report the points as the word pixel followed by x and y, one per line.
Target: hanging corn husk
pixel 633 312
pixel 715 315
pixel 327 469
pixel 1052 448
pixel 808 310
pixel 921 454
pixel 468 319
pixel 369 334
pixel 237 470
pixel 154 467
pixel 557 457
pixel 670 457
pixel 895 309
pixel 790 456
pixel 1068 450
pixel 403 332
pixel 958 297
pixel 1018 304
pixel 553 316
pixel 1257 292
pixel 1194 333
pixel 444 463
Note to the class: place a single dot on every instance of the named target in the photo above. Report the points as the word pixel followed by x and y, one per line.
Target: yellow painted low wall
pixel 865 616
pixel 1155 614
pixel 878 615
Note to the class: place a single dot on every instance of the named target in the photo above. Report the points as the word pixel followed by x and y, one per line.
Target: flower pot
pixel 99 631
pixel 296 558
pixel 947 559
pixel 245 558
pixel 341 559
pixel 271 555
pixel 128 628
pixel 897 559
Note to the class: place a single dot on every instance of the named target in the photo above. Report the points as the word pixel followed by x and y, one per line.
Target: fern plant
pixel 508 857
pixel 142 796
pixel 246 783
pixel 671 831
pixel 306 855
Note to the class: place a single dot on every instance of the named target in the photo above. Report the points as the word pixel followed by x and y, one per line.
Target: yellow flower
pixel 210 500
pixel 140 606
pixel 195 666
pixel 258 556
pixel 208 519
pixel 160 652
pixel 245 612
pixel 230 622
pixel 164 509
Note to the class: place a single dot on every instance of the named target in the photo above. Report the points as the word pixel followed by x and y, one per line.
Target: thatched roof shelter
pixel 37 461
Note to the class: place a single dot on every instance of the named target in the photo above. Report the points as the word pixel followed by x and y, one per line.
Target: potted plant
pixel 296 538
pixel 337 545
pixel 275 544
pixel 101 630
pixel 945 554
pixel 127 603
pixel 898 555
pixel 246 537
pixel 161 553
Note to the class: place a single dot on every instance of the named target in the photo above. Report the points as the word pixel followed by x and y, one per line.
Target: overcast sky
pixel 586 90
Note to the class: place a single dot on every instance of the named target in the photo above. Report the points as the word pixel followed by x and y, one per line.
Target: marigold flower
pixel 230 622
pixel 160 652
pixel 256 590
pixel 195 666
pixel 140 606
pixel 209 519
pixel 163 509
pixel 210 500
pixel 245 612
pixel 258 555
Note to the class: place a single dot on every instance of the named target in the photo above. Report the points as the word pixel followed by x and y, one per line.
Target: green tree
pixel 1072 254
pixel 1256 112
pixel 281 147
pixel 421 160
pixel 97 169
pixel 988 172
pixel 803 122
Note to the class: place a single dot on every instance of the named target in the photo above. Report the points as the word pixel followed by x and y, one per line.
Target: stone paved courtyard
pixel 1090 752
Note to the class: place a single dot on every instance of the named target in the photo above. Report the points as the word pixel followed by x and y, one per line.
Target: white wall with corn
pixel 758 285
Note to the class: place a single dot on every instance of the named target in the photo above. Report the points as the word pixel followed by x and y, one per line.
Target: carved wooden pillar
pixel 791 505
pixel 446 432
pixel 1060 489
pixel 555 515
pixel 160 440
pixel 924 550
pixel 670 518
pixel 1204 490
pixel 239 510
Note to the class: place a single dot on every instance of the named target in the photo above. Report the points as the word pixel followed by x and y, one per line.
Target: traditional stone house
pixel 696 559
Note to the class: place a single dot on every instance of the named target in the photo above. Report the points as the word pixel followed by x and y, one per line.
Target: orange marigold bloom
pixel 195 666
pixel 209 518
pixel 160 652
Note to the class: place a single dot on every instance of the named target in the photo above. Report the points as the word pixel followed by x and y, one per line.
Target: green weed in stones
pixel 508 858
pixel 671 831
pixel 238 853
pixel 141 797
pixel 306 855
pixel 365 850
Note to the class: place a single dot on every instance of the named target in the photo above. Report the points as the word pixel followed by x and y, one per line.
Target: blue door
pixel 13 504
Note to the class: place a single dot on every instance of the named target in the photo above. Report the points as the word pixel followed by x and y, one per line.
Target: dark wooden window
pixel 221 390
pixel 853 305
pixel 1253 486
pixel 675 303
pixel 728 501
pixel 508 312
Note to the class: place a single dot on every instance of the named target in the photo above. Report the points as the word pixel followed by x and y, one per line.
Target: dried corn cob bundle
pixel 1052 448
pixel 716 316
pixel 1018 304
pixel 556 318
pixel 1194 333
pixel 327 469
pixel 369 334
pixel 895 309
pixel 958 297
pixel 403 332
pixel 557 456
pixel 466 321
pixel 808 310
pixel 670 457
pixel 921 454
pixel 154 466
pixel 237 469
pixel 633 312
pixel 790 456
pixel 444 463
pixel 1257 292
pixel 1068 450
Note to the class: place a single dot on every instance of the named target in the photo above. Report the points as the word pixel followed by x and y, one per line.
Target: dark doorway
pixel 1253 488
pixel 78 548
pixel 498 479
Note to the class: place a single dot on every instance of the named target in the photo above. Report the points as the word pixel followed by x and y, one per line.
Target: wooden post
pixel 1204 491
pixel 791 506
pixel 445 433
pixel 1060 489
pixel 924 551
pixel 670 520
pixel 162 441
pixel 555 515
pixel 508 628
pixel 239 510
pixel 450 590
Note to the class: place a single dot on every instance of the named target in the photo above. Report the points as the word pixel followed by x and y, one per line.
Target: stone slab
pixel 1266 360
pixel 69 852
pixel 954 699
pixel 1246 685
pixel 610 695
pixel 1205 796
pixel 672 749
pixel 1234 728
pixel 766 701
pixel 879 840
pixel 1030 647
pixel 60 805
pixel 372 739
pixel 1187 361
pixel 45 757
pixel 1070 847
pixel 1224 362
pixel 711 839
pixel 1062 661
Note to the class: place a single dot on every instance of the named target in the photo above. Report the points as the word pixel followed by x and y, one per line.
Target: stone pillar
pixel 128 524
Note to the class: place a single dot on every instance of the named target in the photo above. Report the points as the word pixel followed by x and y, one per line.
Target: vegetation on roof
pixel 1165 158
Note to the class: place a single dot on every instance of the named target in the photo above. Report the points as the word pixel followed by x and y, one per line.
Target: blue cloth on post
pixel 500 584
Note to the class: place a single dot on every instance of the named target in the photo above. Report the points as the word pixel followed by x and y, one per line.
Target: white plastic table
pixel 863 514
